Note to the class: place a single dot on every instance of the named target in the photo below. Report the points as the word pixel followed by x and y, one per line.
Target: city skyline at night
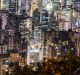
pixel 34 32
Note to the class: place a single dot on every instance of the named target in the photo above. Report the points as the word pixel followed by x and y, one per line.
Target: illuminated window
pixel 0 51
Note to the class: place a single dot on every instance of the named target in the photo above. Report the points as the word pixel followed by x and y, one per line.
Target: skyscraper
pixel 34 5
pixel 74 14
pixel 4 4
pixel 0 30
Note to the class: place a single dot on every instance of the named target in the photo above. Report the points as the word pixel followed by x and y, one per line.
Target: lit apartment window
pixel 0 51
pixel 4 51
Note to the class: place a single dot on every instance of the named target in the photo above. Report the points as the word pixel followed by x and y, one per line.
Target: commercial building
pixel 33 6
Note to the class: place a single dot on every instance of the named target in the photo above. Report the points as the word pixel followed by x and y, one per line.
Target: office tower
pixel 4 4
pixel 28 6
pixel 34 5
pixel 0 30
pixel 74 15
